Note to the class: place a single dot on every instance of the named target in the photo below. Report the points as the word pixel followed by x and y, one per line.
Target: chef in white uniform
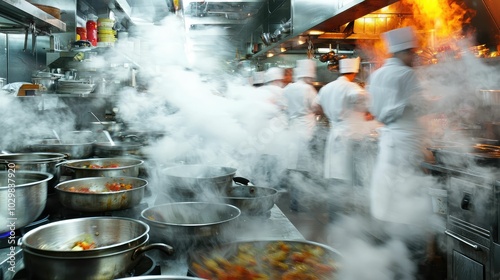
pixel 270 166
pixel 398 199
pixel 345 104
pixel 299 97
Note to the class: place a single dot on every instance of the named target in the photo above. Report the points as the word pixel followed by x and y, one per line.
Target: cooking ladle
pixel 57 135
pixel 96 117
pixel 111 142
pixel 106 133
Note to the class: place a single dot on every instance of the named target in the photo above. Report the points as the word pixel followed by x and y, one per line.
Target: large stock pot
pixel 38 162
pixel 24 195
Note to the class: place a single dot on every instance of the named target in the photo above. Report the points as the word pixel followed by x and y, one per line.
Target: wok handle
pixel 241 180
pixel 160 246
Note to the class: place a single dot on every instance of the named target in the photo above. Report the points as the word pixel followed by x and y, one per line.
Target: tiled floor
pixel 313 223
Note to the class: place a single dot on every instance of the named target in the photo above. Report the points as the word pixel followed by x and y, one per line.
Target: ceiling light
pixel 270 54
pixel 316 32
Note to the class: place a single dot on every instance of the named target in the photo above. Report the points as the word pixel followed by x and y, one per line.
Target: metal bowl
pixel 128 167
pixel 101 199
pixel 24 194
pixel 187 225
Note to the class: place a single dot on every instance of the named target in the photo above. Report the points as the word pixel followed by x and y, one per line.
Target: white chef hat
pixel 258 78
pixel 273 74
pixel 305 68
pixel 400 39
pixel 349 65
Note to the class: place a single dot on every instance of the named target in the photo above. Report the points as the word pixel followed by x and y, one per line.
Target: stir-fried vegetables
pixel 275 260
pixel 108 187
pixel 97 166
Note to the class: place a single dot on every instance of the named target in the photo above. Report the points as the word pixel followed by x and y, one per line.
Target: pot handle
pixel 241 181
pixel 160 246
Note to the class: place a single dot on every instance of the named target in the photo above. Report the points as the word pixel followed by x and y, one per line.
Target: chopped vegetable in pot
pixel 97 166
pixel 108 187
pixel 83 245
pixel 276 260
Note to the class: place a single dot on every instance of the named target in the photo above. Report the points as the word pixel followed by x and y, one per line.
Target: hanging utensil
pixel 96 118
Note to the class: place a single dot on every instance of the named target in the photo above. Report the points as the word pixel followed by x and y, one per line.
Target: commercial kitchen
pixel 136 143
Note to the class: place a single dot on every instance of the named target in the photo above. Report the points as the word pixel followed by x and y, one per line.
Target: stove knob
pixel 465 205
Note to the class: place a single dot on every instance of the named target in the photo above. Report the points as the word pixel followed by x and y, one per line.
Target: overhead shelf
pixel 23 13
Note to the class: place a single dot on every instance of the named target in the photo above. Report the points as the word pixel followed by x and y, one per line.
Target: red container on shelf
pixel 92 32
pixel 82 32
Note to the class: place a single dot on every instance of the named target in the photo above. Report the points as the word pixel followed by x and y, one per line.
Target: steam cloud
pixel 212 116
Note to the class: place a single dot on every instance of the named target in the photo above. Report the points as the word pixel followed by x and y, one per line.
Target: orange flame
pixel 438 20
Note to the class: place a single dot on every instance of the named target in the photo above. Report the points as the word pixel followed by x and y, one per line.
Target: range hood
pixel 323 15
pixel 16 15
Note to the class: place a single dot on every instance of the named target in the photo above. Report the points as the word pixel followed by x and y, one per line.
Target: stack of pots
pixel 105 32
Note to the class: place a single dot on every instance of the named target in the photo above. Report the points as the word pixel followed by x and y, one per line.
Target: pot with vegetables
pixel 87 248
pixel 101 194
pixel 104 167
pixel 266 259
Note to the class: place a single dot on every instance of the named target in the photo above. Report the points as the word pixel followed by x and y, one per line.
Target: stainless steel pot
pixel 107 150
pixel 100 200
pixel 25 195
pixel 490 97
pixel 128 167
pixel 72 150
pixel 251 200
pixel 40 162
pixel 188 225
pixel 197 182
pixel 104 266
pixel 121 242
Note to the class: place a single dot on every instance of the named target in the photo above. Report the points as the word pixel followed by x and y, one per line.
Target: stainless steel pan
pixel 187 225
pixel 71 194
pixel 126 167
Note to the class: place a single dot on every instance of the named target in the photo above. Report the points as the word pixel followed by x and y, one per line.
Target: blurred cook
pixel 273 83
pixel 345 104
pixel 398 198
pixel 270 165
pixel 396 97
pixel 299 97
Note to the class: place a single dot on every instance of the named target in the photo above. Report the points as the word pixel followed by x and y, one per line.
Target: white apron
pixel 300 132
pixel 397 183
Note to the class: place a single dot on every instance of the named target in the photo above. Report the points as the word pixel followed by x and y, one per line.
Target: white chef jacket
pixel 395 195
pixel 299 98
pixel 344 103
pixel 275 129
